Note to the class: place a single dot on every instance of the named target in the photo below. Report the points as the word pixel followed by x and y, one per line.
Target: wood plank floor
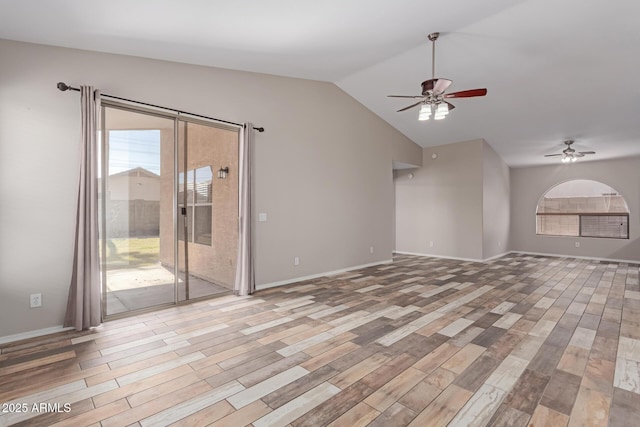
pixel 522 340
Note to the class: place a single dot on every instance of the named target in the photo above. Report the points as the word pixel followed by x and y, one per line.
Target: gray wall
pixel 495 203
pixel 323 167
pixel 443 203
pixel 528 185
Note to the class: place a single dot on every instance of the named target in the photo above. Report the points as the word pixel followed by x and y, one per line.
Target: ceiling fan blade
pixel 410 106
pixel 552 155
pixel 436 86
pixel 441 85
pixel 587 152
pixel 451 106
pixel 405 96
pixel 467 93
pixel 578 155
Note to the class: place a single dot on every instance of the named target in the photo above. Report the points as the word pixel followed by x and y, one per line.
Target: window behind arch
pixel 583 208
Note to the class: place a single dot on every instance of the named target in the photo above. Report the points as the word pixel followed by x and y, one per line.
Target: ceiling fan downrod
pixel 433 37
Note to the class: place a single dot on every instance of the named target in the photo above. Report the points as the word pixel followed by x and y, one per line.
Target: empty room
pixel 319 213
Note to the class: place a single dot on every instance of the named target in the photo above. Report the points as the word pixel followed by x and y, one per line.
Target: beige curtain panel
pixel 245 283
pixel 84 304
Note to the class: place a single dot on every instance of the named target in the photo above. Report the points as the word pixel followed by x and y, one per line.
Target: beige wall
pixel 528 185
pixel 443 203
pixel 323 167
pixel 495 203
pixel 407 153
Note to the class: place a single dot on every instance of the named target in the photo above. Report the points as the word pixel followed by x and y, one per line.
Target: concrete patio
pixel 151 285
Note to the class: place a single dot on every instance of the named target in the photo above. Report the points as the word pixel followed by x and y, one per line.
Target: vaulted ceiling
pixel 554 70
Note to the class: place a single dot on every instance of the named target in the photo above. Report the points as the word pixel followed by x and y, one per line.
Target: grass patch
pixel 133 252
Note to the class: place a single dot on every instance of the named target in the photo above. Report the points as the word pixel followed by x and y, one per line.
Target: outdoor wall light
pixel 223 172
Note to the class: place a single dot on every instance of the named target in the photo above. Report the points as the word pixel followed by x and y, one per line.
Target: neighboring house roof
pixel 139 171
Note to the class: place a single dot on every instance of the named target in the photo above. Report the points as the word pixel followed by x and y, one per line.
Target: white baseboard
pixel 33 334
pixel 497 256
pixel 453 257
pixel 629 261
pixel 315 276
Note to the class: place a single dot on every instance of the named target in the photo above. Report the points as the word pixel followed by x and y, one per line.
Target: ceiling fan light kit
pixel 569 155
pixel 425 112
pixel 432 100
pixel 441 111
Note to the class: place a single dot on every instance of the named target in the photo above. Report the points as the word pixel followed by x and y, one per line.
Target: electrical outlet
pixel 371 249
pixel 35 300
pixel 431 243
pixel 296 261
pixel 577 244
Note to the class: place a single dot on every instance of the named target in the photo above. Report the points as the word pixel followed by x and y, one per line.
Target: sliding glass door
pixel 208 205
pixel 168 223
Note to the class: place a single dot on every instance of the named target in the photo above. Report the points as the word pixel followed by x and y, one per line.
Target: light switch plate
pixel 262 217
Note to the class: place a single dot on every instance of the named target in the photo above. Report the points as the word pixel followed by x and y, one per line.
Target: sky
pixel 129 149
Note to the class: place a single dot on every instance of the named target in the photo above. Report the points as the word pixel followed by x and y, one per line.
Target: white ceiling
pixel 553 69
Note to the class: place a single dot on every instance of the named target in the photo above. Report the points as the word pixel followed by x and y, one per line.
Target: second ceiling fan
pixel 569 154
pixel 432 100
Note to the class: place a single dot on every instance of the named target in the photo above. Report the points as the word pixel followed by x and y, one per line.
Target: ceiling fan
pixel 433 97
pixel 569 154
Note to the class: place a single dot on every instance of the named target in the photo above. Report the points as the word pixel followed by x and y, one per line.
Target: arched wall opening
pixel 583 208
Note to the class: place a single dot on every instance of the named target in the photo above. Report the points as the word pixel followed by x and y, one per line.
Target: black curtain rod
pixel 65 87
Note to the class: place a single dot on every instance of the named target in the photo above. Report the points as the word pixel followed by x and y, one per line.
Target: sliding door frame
pixel 104 152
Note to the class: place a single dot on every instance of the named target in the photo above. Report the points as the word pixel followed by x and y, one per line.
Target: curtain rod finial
pixel 259 129
pixel 63 86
